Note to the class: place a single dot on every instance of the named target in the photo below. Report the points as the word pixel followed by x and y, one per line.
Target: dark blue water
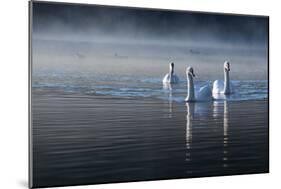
pixel 88 139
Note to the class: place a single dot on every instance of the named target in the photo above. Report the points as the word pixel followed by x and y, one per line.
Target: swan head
pixel 172 67
pixel 226 66
pixel 190 72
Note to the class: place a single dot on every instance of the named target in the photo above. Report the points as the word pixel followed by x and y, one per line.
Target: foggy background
pixel 97 40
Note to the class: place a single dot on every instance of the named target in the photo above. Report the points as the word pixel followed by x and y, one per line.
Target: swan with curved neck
pixel 203 94
pixel 223 87
pixel 172 68
pixel 226 89
pixel 171 77
pixel 190 86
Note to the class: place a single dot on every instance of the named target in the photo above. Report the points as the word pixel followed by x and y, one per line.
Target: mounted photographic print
pixel 121 94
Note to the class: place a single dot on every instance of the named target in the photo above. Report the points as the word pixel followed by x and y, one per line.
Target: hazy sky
pixel 56 20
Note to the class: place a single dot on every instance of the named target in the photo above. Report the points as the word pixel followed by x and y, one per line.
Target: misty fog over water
pixel 139 42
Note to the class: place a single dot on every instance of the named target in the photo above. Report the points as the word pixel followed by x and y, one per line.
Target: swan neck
pixel 190 88
pixel 171 70
pixel 226 82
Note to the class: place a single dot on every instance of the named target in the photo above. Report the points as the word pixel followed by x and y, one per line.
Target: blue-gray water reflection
pixel 82 138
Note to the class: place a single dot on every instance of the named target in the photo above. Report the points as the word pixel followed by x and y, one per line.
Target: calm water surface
pixel 98 135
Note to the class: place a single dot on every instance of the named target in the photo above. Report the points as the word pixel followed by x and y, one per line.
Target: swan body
pixel 224 87
pixel 203 94
pixel 218 87
pixel 171 77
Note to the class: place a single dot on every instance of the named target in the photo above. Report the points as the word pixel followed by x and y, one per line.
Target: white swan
pixel 171 77
pixel 224 87
pixel 203 94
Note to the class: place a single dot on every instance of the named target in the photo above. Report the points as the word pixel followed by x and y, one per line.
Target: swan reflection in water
pixel 189 118
pixel 194 111
pixel 225 132
pixel 169 87
pixel 217 111
pixel 196 114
